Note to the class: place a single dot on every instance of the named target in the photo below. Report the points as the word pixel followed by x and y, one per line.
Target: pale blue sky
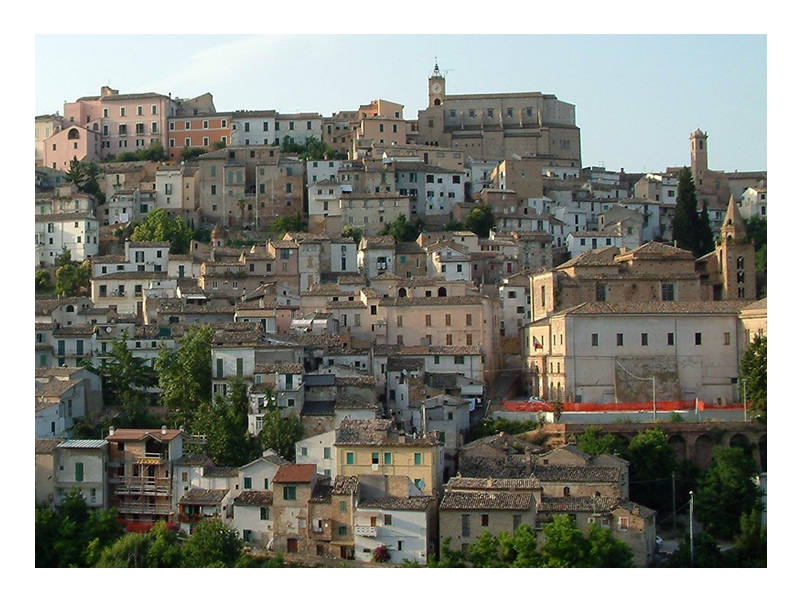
pixel 638 97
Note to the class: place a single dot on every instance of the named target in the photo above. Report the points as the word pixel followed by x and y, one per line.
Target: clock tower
pixel 436 87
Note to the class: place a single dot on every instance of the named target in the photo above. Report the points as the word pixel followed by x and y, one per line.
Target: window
pixel 619 339
pixel 399 320
pixel 427 320
pixel 265 513
pixel 248 483
pixel 122 111
pixel 290 492
pixel 469 319
pixel 343 506
pixel 449 339
pixel 326 453
pixel 387 458
pixel 418 459
pixel 600 292
pixel 78 471
pixel 464 526
pixel 342 530
pixel 644 339
pixel 727 338
pixel 623 523
pixel 387 520
pixel 375 458
pixel 595 339
pixel 698 339
pixel 667 292
pixel 484 520
pixel 351 459
pixel 447 320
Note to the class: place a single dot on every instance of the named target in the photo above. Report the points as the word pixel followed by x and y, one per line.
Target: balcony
pixel 366 531
pixel 143 509
pixel 320 530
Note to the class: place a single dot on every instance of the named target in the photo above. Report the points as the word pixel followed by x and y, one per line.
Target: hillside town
pixel 376 338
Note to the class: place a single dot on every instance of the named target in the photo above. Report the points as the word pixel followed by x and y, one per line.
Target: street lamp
pixel 744 387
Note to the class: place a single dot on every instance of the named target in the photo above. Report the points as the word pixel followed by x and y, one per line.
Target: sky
pixel 637 97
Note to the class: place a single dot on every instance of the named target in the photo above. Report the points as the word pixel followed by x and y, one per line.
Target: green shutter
pixel 387 458
pixel 78 471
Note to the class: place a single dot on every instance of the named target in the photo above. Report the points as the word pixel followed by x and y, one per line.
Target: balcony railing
pixel 366 531
pixel 144 509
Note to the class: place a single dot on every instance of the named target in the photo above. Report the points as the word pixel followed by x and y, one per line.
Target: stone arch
pixel 741 441
pixel 762 453
pixel 402 292
pixel 678 445
pixel 703 450
pixel 70 308
pixel 437 102
pixel 441 292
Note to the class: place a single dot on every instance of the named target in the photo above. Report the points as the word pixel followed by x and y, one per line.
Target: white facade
pixel 578 243
pixel 76 232
pixel 318 450
pixel 754 203
pixel 82 464
pixel 322 170
pixel 403 532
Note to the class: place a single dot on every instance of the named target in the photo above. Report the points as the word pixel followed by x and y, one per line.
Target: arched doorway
pixel 678 445
pixel 442 292
pixel 703 448
pixel 402 293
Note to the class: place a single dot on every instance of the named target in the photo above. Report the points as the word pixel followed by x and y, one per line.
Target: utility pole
pixel 744 385
pixel 674 516
pixel 691 528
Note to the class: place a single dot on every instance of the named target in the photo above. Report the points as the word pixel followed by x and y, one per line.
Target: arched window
pixel 442 292
pixel 73 134
pixel 402 293
pixel 437 102
pixel 566 491
pixel 70 308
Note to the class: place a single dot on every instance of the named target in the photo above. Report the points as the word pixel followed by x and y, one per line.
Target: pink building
pixel 72 142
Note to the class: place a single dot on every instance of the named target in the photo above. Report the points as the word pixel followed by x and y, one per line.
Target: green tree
pixel 705 237
pixel 485 552
pixel 128 552
pixel 46 532
pixel 288 224
pixel 158 226
pixel 224 423
pixel 352 232
pixel 750 548
pixel 565 545
pixel 448 558
pixel 480 220
pixel 686 223
pixel 280 433
pixel 727 491
pixel 593 441
pixel 125 378
pixel 707 554
pixel 401 230
pixel 165 550
pixel 188 154
pixel 218 145
pixel 606 551
pixel 63 258
pixel 213 544
pixel 184 375
pixel 651 463
pixel 753 375
pixel 520 550
pixel 73 279
pixel 43 281
pixel 757 231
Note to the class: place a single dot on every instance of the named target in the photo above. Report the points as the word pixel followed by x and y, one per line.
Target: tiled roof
pixel 408 363
pixel 55 388
pixel 491 483
pixel 635 509
pixel 358 381
pixel 149 244
pixel 288 368
pixel 133 435
pixel 512 466
pixel 322 491
pixel 378 241
pixel 193 460
pixel 346 401
pixel 220 471
pixel 487 501
pixel 376 432
pixel 318 408
pixel 84 444
pixel 566 473
pixel 730 307
pixel 132 275
pixel 295 474
pixel 253 498
pixel 45 307
pixel 204 497
pixel 394 503
pixel 432 301
pixel 47 446
pixel 577 504
pixel 503 441
pixel 345 485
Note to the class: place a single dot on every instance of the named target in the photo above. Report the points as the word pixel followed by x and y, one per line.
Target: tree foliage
pixel 84 176
pixel 72 536
pixel 280 433
pixel 73 279
pixel 184 375
pixel 727 491
pixel 705 237
pixel 288 224
pixel 592 441
pixel 651 463
pixel 401 229
pixel 753 374
pixel 686 224
pixel 707 554
pixel 310 149
pixel 213 544
pixel 153 153
pixel 158 226
pixel 480 220
pixel 43 282
pixel 352 232
pixel 224 423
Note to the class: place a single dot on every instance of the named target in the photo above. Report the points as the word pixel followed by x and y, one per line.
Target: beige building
pixel 632 351
pixel 754 321
pixel 522 175
pixel 471 506
pixel 376 446
pixel 499 125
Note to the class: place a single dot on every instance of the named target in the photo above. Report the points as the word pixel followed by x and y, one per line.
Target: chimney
pixel 163 430
pixel 111 430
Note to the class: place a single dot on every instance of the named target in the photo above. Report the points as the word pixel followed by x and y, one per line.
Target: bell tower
pixel 699 145
pixel 436 87
pixel 736 258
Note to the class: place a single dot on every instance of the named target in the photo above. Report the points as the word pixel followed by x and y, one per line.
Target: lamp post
pixel 744 387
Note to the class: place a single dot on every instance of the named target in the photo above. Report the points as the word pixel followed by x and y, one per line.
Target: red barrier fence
pixel 661 406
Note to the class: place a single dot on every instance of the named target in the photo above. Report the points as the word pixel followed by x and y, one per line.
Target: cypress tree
pixel 686 224
pixel 706 236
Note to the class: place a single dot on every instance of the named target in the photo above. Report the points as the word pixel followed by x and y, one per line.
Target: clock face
pixel 436 88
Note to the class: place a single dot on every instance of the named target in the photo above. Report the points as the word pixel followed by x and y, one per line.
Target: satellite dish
pixel 108 329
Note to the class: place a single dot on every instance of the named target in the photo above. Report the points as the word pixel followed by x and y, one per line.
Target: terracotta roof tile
pixel 295 474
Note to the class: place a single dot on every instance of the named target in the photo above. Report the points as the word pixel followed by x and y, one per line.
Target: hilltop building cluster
pixel 386 349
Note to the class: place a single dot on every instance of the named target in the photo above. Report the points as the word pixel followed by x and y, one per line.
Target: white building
pixel 82 465
pixel 578 243
pixel 76 232
pixel 318 450
pixel 754 203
